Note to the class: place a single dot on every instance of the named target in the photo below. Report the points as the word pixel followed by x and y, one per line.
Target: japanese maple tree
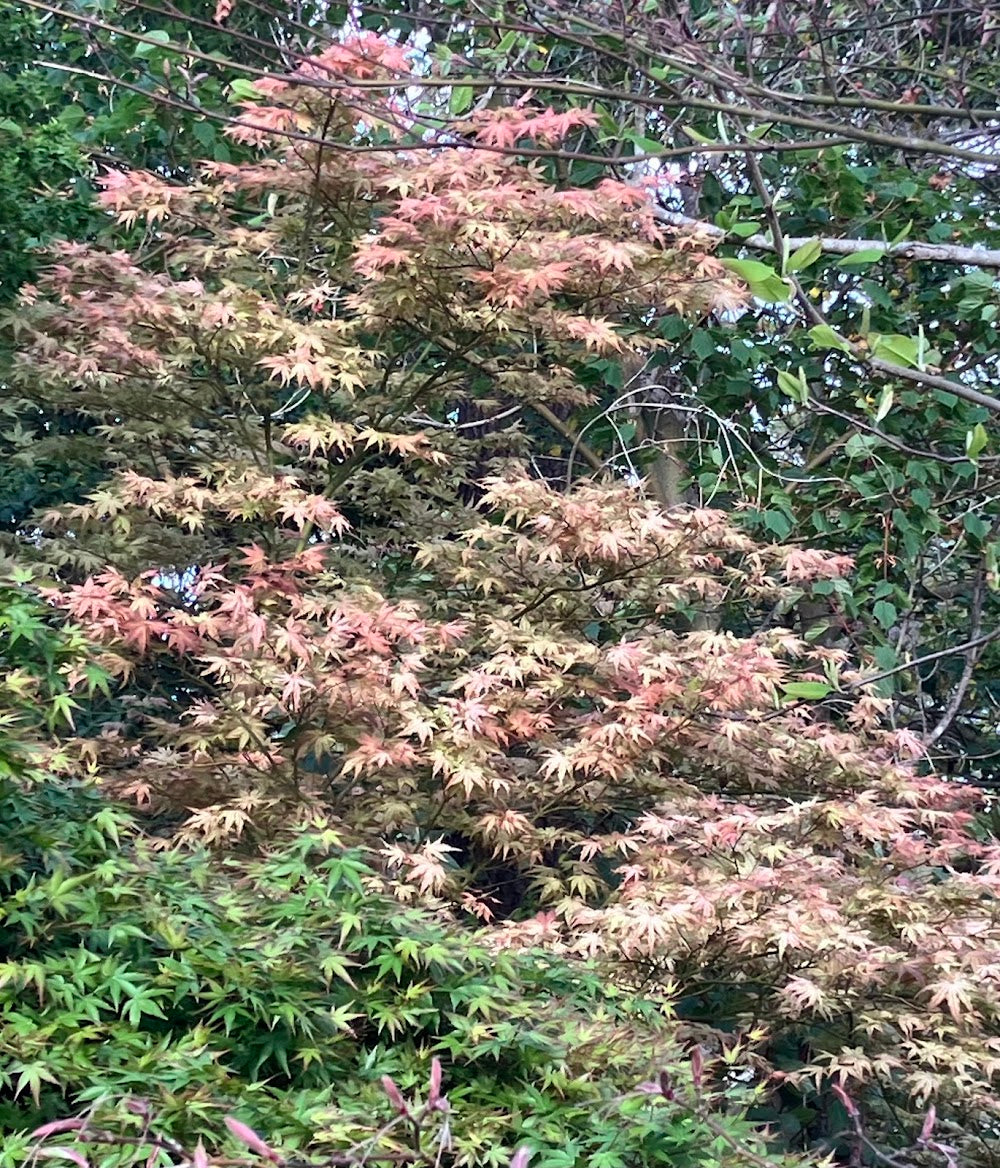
pixel 334 581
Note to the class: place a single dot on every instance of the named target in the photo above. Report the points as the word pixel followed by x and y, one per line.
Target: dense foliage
pixel 281 991
pixel 533 633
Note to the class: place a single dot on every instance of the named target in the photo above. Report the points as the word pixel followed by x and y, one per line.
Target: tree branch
pixel 567 432
pixel 777 243
pixel 975 643
pixel 942 253
pixel 972 655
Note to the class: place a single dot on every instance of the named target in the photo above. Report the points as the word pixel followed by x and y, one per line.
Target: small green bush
pixel 280 991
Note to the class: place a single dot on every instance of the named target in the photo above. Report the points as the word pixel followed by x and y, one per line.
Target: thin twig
pixel 972 654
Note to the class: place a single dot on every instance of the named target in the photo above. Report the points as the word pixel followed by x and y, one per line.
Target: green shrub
pixel 280 991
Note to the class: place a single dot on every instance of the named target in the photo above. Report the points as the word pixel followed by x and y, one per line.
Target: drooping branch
pixel 929 381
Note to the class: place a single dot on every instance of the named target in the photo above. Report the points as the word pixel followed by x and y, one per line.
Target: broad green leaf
pixel 885 613
pixel 904 234
pixel 976 441
pixel 243 88
pixel 159 35
pixel 992 554
pixel 796 387
pixel 884 404
pixel 206 134
pixel 861 259
pixel 860 445
pixel 703 343
pixel 778 523
pixel 804 256
pixel 697 136
pixel 809 690
pixel 753 271
pixel 975 525
pixel 764 282
pixel 646 145
pixel 461 99
pixel 908 351
pixel 886 657
pixel 824 337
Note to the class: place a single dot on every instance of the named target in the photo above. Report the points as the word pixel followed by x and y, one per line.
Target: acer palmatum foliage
pixel 650 791
pixel 318 311
pixel 498 685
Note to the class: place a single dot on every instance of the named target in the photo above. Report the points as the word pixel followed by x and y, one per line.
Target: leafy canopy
pixel 334 396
